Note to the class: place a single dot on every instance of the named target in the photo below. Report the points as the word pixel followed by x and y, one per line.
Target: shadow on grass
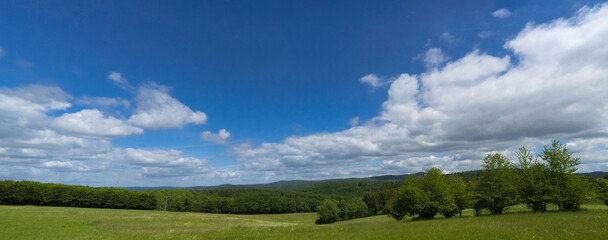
pixel 512 210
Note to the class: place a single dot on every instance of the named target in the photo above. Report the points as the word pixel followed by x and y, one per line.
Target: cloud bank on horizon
pixel 553 85
pixel 35 139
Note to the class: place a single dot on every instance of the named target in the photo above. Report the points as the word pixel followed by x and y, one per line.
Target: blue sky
pixel 125 93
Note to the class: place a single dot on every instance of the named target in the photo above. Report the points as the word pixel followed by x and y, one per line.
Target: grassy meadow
pixel 31 222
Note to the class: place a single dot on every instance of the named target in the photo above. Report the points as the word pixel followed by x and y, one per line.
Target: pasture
pixel 31 222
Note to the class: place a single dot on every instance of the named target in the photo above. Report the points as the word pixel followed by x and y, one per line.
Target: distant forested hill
pixel 322 185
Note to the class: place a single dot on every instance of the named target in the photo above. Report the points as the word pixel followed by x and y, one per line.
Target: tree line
pixel 234 201
pixel 536 181
pixel 51 194
pixel 210 201
pixel 332 210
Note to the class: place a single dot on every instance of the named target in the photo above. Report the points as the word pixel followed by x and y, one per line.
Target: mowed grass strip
pixel 30 222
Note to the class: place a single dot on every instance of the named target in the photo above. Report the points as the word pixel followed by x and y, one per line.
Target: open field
pixel 30 222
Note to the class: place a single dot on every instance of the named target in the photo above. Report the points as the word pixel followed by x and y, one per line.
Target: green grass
pixel 30 222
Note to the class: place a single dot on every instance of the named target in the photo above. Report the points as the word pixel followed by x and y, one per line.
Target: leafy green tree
pixel 497 187
pixel 390 203
pixel 558 157
pixel 377 201
pixel 463 198
pixel 476 199
pixel 328 212
pixel 425 197
pixel 534 187
pixel 410 197
pixel 352 208
pixel 361 208
pixel 302 205
pixel 568 191
pixel 347 210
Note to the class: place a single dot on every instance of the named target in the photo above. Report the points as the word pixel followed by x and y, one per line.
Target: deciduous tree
pixel 568 191
pixel 425 196
pixel 497 187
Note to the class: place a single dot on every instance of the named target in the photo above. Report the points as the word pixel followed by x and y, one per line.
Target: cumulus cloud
pixel 120 81
pixel 501 13
pixel 117 78
pixel 34 99
pixel 73 166
pixel 220 138
pixel 372 80
pixel 92 122
pixel 592 152
pixel 454 113
pixel 161 163
pixel 29 135
pixel 40 136
pixel 432 58
pixel 419 164
pixel 25 110
pixel 156 109
pixel 375 82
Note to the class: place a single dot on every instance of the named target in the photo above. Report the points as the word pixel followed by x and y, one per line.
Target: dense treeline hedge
pixel 381 202
pixel 343 190
pixel 332 210
pixel 51 194
pixel 236 201
pixel 212 201
pixel 251 201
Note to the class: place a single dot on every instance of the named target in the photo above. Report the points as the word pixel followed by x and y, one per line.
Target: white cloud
pixel 471 106
pixel 447 37
pixel 220 138
pixel 70 166
pixel 117 78
pixel 353 121
pixel 432 58
pixel 39 137
pixel 419 164
pixel 372 80
pixel 2 52
pixel 28 134
pixel 120 81
pixel 33 99
pixel 105 102
pixel 161 163
pixel 501 13
pixel 375 82
pixel 92 122
pixel 156 109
